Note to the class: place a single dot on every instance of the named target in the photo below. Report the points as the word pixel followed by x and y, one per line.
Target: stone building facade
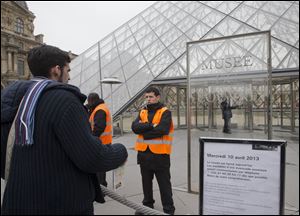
pixel 17 39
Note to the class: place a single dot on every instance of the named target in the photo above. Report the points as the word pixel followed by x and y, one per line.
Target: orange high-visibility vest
pixel 162 145
pixel 106 136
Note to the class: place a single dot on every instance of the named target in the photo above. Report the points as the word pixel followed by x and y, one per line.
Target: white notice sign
pixel 241 179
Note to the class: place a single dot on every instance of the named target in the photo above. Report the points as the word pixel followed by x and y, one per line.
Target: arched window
pixel 19 27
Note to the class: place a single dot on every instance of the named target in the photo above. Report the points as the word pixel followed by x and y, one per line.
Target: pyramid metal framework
pixel 152 45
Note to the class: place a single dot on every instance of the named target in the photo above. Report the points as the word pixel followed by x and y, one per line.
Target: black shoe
pixel 138 213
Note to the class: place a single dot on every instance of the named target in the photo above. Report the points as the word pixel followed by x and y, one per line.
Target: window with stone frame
pixel 19 26
pixel 21 71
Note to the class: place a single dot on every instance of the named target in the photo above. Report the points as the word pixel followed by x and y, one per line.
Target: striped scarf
pixel 24 125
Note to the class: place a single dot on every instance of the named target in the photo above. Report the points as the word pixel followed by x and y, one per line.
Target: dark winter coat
pixel 55 174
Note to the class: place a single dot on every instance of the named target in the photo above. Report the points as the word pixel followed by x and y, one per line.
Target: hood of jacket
pixel 12 95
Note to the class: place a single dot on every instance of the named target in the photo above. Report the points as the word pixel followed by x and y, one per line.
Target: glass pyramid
pixel 152 45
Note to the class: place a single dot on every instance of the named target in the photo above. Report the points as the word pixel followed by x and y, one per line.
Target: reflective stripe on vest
pixel 106 136
pixel 162 145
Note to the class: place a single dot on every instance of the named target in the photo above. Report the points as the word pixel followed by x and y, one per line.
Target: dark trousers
pixel 158 165
pixel 102 178
pixel 227 128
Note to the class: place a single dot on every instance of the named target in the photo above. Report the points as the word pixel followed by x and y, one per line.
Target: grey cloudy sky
pixel 76 26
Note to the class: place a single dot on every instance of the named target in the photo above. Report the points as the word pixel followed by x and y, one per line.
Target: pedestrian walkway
pixel 187 203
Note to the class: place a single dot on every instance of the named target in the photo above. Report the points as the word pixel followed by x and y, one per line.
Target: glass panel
pixel 142 32
pixel 152 14
pixel 243 12
pixel 213 18
pixel 110 68
pixel 148 39
pixel 292 14
pixel 153 50
pixel 170 36
pixel 139 81
pixel 291 60
pixel 186 23
pixel 197 31
pixel 213 4
pixel 108 57
pixel 228 26
pixel 136 24
pixel 182 4
pixel 133 66
pixel 157 21
pixel 161 6
pixel 105 48
pixel 179 46
pixel 120 97
pixel 90 56
pixel 75 71
pixel 255 4
pixel 158 64
pixel 126 44
pixel 90 71
pixel 192 7
pixel 178 17
pixel 123 36
pixel 163 28
pixel 173 71
pixel 90 84
pixel 171 11
pixel 279 51
pixel 245 29
pixel 201 12
pixel 262 20
pixel 227 6
pixel 229 56
pixel 75 81
pixel 128 54
pixel 286 31
pixel 276 7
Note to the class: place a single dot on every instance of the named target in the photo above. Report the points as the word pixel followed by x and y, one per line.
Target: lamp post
pixel 111 81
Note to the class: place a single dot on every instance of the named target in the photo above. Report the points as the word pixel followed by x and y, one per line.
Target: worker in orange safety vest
pixel 154 128
pixel 100 120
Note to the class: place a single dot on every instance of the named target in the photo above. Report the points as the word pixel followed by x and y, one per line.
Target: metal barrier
pixel 140 208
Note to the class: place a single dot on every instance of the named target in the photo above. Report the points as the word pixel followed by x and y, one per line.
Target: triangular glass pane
pixel 160 62
pixel 228 26
pixel 279 51
pixel 227 6
pixel 286 31
pixel 292 14
pixel 197 31
pixel 174 71
pixel 139 80
pixel 291 60
pixel 277 8
pixel 243 12
pixel 262 20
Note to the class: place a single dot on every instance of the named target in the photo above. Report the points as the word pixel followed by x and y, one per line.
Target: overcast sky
pixel 76 26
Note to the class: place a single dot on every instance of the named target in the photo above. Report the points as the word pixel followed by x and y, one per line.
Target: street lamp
pixel 111 81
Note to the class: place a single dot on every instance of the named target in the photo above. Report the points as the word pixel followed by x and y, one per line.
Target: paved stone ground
pixel 187 203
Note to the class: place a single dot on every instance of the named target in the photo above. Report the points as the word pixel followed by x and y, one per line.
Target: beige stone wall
pixel 15 45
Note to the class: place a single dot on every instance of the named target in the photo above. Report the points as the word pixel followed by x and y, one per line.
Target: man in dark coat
pixel 55 157
pixel 227 115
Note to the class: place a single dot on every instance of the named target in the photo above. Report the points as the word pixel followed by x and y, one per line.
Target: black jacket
pixel 55 175
pixel 147 129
